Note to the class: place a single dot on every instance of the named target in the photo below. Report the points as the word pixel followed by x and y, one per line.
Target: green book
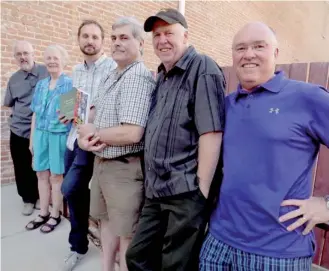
pixel 67 103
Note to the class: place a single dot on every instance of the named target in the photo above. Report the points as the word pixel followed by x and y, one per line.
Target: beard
pixel 26 66
pixel 90 52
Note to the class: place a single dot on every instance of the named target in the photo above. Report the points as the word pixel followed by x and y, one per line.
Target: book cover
pixel 67 103
pixel 82 107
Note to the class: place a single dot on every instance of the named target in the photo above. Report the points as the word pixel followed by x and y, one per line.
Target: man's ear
pixel 185 37
pixel 141 44
pixel 276 52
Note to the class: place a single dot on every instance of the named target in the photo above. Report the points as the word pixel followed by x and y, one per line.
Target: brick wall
pixel 302 29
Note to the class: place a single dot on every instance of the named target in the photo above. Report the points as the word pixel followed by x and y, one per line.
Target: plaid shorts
pixel 217 256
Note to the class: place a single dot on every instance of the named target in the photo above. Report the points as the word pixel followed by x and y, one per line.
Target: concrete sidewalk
pixel 23 250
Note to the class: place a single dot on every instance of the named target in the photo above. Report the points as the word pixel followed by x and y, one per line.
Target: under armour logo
pixel 274 110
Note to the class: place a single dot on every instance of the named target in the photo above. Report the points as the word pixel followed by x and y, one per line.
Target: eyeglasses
pixel 19 54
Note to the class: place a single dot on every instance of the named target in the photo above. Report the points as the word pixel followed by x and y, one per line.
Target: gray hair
pixel 17 42
pixel 137 28
pixel 62 52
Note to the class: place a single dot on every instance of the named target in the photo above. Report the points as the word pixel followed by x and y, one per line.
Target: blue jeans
pixel 78 172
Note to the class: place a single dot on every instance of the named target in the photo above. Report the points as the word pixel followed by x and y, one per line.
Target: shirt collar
pixel 183 61
pixel 98 62
pixel 60 80
pixel 273 85
pixel 120 73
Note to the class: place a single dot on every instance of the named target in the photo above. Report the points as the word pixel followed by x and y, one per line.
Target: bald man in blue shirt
pixel 274 128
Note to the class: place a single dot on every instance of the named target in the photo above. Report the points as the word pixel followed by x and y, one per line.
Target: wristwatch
pixel 326 198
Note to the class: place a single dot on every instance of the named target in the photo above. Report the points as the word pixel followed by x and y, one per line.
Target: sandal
pixel 51 226
pixel 37 224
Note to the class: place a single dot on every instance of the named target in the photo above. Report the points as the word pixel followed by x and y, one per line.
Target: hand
pixel 84 129
pixel 204 188
pixel 90 142
pixel 313 211
pixel 63 119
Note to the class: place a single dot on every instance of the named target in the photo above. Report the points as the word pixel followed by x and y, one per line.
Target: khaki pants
pixel 117 192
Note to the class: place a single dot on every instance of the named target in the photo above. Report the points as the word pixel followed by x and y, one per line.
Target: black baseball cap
pixel 170 16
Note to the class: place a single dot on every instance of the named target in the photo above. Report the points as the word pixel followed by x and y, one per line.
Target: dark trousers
pixel 169 234
pixel 78 172
pixel 26 178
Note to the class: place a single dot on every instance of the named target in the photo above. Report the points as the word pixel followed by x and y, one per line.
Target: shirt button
pixel 149 169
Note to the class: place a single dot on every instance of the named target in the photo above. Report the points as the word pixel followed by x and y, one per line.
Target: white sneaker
pixel 71 261
pixel 28 209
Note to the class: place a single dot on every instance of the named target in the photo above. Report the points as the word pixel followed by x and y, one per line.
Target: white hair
pixel 62 52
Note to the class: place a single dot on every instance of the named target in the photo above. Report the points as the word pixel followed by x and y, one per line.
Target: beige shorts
pixel 117 193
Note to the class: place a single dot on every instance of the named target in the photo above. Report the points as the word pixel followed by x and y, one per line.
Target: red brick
pixel 301 30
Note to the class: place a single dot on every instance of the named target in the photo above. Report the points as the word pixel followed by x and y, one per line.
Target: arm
pixel 31 133
pixel 209 120
pixel 133 113
pixel 209 150
pixel 124 134
pixel 9 100
pixel 313 210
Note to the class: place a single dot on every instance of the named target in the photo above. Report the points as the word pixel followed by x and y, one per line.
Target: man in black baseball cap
pixel 170 16
pixel 182 145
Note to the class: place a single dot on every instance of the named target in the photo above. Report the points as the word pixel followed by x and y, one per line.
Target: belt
pixel 125 158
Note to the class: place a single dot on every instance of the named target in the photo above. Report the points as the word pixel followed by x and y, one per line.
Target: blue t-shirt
pixel 271 141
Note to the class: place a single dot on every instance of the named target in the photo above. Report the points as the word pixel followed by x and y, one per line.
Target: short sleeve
pixel 135 98
pixel 9 100
pixel 210 103
pixel 318 124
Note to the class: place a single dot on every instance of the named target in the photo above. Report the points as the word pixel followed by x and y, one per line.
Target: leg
pixel 26 179
pixel 116 182
pixel 76 191
pixel 57 199
pixel 124 244
pixel 110 244
pixel 185 231
pixel 56 195
pixel 215 256
pixel 144 251
pixel 44 192
pixel 57 147
pixel 98 209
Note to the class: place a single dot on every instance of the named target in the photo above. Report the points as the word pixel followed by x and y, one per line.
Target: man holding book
pixel 87 77
pixel 122 108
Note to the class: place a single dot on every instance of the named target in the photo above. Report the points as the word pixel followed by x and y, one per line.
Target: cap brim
pixel 148 25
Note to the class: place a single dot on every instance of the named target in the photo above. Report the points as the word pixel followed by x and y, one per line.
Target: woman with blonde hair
pixel 48 138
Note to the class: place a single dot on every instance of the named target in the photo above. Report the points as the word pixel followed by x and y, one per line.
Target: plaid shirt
pixel 89 80
pixel 124 98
